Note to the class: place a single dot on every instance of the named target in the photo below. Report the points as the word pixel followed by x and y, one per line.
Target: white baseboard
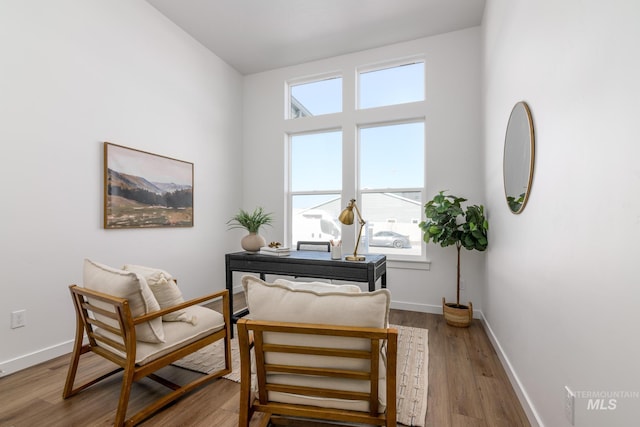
pixel 28 360
pixel 523 397
pixel 425 308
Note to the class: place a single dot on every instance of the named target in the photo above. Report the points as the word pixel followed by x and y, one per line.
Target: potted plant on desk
pixel 449 224
pixel 251 222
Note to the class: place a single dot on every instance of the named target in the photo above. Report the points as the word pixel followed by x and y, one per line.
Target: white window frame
pixel 421 190
pixel 383 66
pixel 290 193
pixel 349 121
pixel 305 80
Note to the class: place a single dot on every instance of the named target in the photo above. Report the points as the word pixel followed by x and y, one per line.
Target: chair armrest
pixel 90 293
pixel 224 294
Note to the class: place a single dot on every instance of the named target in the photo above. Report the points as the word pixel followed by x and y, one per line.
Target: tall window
pixel 316 183
pixel 391 183
pixel 373 154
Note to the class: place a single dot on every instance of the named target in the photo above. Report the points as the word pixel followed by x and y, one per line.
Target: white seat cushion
pixel 177 334
pixel 277 302
pixel 129 285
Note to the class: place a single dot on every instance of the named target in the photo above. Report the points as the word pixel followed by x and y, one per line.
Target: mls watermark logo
pixel 606 400
pixel 602 404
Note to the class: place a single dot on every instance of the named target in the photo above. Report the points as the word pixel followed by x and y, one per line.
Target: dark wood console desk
pixel 305 264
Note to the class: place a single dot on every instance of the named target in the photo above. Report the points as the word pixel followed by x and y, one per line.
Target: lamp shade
pixel 346 216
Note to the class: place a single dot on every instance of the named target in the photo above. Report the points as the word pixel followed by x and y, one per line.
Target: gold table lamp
pixel 346 217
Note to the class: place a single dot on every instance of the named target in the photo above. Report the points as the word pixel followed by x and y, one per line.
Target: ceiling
pixel 259 35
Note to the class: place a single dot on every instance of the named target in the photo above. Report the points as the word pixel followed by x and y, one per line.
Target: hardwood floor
pixel 467 383
pixel 467 387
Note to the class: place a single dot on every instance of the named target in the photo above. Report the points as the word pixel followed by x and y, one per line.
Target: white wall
pixel 73 74
pixel 562 290
pixel 453 151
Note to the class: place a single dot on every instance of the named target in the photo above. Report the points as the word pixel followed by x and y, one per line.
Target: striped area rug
pixel 412 376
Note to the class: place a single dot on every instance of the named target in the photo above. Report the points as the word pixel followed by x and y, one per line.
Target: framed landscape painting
pixel 145 190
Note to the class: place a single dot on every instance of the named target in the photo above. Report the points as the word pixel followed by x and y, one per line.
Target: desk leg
pixel 229 277
pixel 372 282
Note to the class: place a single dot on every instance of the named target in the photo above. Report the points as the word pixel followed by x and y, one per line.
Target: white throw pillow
pixel 129 285
pixel 165 290
pixel 319 287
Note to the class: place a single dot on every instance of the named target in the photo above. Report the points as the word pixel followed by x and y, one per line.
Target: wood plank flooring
pixel 467 387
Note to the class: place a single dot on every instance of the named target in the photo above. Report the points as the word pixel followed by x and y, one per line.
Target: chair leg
pixel 71 374
pixel 78 350
pixel 125 393
pixel 245 410
pixel 227 352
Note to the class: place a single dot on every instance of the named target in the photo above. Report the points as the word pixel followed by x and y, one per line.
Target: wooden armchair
pixel 111 329
pixel 309 386
pixel 325 355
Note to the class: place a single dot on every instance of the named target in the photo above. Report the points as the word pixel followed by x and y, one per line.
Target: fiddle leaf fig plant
pixel 448 223
pixel 515 204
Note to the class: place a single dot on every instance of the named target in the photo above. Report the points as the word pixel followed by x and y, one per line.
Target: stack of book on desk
pixel 280 251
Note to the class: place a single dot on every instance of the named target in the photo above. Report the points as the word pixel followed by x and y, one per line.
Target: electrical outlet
pixel 569 405
pixel 18 319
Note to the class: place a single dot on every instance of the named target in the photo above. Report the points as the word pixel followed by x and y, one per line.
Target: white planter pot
pixel 252 242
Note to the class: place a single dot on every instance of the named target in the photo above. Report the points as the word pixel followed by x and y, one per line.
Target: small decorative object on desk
pixel 274 249
pixel 336 249
pixel 252 222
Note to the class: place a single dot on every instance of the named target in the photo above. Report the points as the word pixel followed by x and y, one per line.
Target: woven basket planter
pixel 460 316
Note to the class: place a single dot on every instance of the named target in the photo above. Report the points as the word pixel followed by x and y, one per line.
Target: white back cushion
pixel 129 285
pixel 278 302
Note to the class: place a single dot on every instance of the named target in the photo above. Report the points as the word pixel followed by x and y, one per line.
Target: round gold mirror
pixel 519 150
